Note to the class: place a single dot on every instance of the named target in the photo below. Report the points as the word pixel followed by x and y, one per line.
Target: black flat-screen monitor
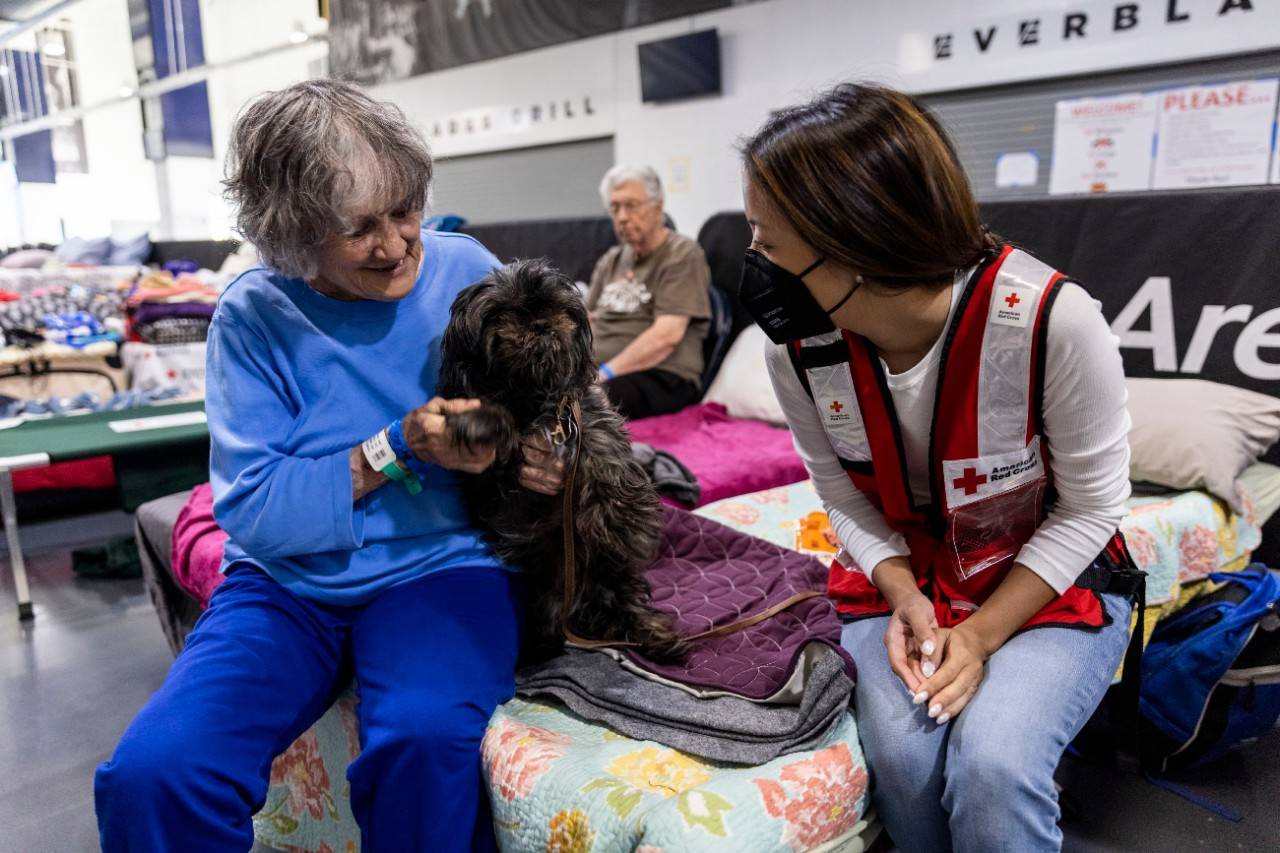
pixel 680 67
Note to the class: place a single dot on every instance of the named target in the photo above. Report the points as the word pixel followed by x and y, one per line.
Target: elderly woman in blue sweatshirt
pixel 350 551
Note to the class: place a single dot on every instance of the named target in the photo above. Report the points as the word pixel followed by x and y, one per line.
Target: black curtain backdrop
pixel 1216 248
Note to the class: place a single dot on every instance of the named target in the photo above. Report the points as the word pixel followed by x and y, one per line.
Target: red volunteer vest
pixel 990 476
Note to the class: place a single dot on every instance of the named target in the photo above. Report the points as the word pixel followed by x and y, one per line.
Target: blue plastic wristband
pixel 607 371
pixel 395 435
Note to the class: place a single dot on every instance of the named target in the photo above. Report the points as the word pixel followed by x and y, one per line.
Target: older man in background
pixel 649 301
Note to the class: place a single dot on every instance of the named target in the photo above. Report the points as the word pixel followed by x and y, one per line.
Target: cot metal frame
pixel 9 509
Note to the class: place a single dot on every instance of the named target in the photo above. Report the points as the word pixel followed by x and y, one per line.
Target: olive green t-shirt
pixel 627 294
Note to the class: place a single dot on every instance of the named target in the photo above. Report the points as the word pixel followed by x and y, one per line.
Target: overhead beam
pixel 28 24
pixel 151 90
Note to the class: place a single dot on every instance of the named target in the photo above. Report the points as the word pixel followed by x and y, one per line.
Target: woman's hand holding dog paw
pixel 428 437
pixel 542 471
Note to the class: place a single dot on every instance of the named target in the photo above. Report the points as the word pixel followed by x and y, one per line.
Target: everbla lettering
pixel 1076 27
pixel 1156 295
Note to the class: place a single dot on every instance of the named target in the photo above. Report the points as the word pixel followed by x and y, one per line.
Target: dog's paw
pixel 488 426
pixel 658 638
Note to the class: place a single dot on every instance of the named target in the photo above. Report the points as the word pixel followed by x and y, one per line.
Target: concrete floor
pixel 71 680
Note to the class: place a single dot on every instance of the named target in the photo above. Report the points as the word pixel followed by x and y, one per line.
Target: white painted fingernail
pixel 919 698
pixel 928 669
pixel 928 647
pixel 935 709
pixel 942 718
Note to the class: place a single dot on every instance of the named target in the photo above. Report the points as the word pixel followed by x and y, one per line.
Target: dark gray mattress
pixel 153 528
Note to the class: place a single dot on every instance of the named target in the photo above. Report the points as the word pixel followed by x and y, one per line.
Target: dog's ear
pixel 462 338
pixel 575 306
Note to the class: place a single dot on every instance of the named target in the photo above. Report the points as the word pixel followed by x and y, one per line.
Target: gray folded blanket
pixel 669 475
pixel 724 728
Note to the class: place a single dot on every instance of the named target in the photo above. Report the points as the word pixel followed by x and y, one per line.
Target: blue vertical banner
pixel 177 37
pixel 177 43
pixel 25 100
pixel 33 158
pixel 188 130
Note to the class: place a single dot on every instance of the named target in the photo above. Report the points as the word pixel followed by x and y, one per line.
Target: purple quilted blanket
pixel 708 575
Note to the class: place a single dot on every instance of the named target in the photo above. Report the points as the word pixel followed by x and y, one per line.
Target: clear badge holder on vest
pixel 990 533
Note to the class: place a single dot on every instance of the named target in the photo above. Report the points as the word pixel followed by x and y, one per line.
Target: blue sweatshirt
pixel 295 380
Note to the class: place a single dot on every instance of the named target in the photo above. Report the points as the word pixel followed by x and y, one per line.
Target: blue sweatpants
pixel 432 659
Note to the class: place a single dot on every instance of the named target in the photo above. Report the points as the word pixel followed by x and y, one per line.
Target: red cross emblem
pixel 1012 300
pixel 837 407
pixel 970 481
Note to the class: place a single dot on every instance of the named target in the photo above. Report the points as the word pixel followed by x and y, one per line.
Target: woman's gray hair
pixel 304 159
pixel 623 174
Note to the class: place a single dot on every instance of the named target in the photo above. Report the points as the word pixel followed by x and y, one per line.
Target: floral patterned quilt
pixel 559 783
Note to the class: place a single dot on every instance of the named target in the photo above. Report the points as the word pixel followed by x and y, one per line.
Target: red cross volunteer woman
pixel 960 407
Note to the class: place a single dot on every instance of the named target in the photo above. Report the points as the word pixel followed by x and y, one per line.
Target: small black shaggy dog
pixel 520 342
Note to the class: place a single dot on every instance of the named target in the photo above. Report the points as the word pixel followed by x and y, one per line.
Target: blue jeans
pixel 984 781
pixel 432 659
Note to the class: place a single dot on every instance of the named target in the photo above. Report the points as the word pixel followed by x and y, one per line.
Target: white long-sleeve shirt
pixel 1086 427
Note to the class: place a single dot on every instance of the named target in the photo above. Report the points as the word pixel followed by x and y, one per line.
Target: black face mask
pixel 780 303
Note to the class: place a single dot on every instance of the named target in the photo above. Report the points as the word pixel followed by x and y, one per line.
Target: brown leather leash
pixel 558 438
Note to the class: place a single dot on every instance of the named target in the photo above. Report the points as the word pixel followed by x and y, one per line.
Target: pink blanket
pixel 196 552
pixel 728 456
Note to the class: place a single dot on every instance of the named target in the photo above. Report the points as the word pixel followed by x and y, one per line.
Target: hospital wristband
pixel 409 459
pixel 377 451
pixel 381 457
pixel 607 371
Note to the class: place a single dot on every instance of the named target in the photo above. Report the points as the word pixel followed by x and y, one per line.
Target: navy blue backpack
pixel 1211 673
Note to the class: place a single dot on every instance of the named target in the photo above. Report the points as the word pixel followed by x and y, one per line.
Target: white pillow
pixel 1196 434
pixel 742 386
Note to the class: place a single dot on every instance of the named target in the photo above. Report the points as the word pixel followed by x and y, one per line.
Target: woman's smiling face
pixel 377 259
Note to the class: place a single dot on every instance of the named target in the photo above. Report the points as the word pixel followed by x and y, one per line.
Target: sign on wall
pixel 1103 144
pixel 519 124
pixel 1000 41
pixel 1215 136
pixel 1187 137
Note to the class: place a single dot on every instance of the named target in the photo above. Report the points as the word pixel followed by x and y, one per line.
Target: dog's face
pixel 519 336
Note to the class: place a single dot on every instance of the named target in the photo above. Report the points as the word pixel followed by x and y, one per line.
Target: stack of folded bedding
pixel 777 686
pixel 164 309
pixel 724 728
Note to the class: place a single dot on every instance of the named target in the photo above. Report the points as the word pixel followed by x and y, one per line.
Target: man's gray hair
pixel 622 174
pixel 302 160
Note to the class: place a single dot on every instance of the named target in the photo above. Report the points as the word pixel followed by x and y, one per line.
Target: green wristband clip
pixel 406 478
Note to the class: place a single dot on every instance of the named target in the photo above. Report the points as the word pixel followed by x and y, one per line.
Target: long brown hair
pixel 867 176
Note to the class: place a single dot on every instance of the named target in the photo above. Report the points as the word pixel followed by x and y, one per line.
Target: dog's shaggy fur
pixel 520 342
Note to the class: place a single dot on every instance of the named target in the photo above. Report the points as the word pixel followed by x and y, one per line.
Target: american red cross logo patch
pixel 837 407
pixel 1009 307
pixel 970 481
